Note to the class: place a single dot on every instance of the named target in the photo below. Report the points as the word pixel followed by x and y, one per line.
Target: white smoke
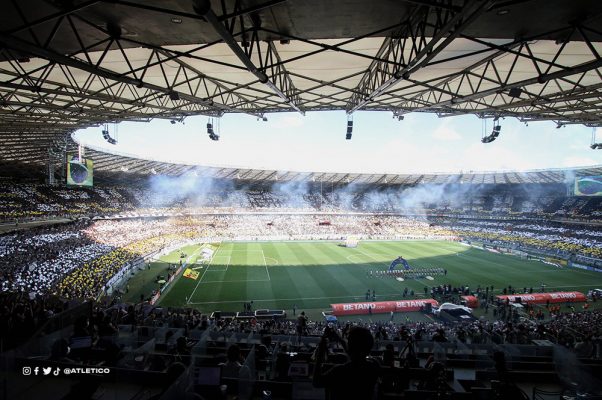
pixel 194 189
pixel 191 187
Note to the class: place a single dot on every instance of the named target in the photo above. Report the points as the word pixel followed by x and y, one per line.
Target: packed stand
pixel 21 201
pixel 563 239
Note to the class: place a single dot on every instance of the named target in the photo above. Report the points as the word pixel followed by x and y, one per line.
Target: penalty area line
pixel 266 265
pixel 203 274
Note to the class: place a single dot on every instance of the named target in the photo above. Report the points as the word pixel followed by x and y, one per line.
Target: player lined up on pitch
pixel 417 273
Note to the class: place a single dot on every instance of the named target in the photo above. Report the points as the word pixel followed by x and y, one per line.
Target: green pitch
pixel 312 275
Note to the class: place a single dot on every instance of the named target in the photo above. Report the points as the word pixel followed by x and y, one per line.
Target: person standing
pixel 302 324
pixel 294 310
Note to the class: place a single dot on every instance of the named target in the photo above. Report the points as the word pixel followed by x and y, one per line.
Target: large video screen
pixel 79 172
pixel 588 186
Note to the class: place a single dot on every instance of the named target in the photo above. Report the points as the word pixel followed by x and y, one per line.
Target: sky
pixel 421 143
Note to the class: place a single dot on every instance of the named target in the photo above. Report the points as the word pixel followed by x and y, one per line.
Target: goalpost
pixel 351 241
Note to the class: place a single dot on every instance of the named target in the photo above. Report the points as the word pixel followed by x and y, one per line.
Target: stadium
pixel 179 221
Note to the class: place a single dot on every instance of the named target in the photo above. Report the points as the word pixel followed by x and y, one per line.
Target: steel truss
pixel 553 91
pixel 45 89
pixel 418 40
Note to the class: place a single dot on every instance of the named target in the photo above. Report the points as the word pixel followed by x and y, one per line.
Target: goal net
pixel 351 241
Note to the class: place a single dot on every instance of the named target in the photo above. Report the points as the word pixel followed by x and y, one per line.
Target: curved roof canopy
pixel 67 64
pixel 124 169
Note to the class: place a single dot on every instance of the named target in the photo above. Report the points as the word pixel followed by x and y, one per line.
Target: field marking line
pixel 296 299
pixel 361 264
pixel 266 265
pixel 273 259
pixel 221 270
pixel 372 257
pixel 349 258
pixel 246 251
pixel 368 254
pixel 186 265
pixel 203 274
pixel 229 260
pixel 192 255
pixel 242 280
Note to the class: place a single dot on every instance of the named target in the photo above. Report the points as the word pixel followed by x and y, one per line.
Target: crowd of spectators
pixel 567 329
pixel 32 261
pixel 27 201
pixel 564 239
pixel 23 201
pixel 170 336
pixel 22 315
pixel 78 258
pixel 44 269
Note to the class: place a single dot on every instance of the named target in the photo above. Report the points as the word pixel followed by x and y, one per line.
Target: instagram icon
pixel 26 371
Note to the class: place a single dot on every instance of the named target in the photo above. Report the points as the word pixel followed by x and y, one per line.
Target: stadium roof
pixel 123 169
pixel 68 64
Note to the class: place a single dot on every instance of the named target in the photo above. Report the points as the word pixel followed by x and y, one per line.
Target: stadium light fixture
pixel 212 135
pixel 349 128
pixel 494 133
pixel 106 136
pixel 596 145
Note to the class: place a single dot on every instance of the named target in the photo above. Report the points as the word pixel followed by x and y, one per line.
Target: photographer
pixel 355 379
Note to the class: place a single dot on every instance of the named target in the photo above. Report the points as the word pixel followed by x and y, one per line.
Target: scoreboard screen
pixel 79 171
pixel 588 186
